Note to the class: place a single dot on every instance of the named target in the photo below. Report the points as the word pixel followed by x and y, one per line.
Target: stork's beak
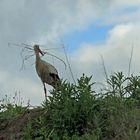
pixel 41 52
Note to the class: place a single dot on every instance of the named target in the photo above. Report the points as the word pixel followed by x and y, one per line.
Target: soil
pixel 12 129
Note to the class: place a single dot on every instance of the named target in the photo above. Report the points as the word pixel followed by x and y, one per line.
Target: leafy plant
pixel 77 112
pixel 9 110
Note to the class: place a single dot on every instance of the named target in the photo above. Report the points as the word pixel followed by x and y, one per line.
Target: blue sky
pixel 127 9
pixel 92 34
pixel 96 33
pixel 89 28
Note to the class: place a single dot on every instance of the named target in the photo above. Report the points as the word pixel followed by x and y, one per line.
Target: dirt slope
pixel 12 129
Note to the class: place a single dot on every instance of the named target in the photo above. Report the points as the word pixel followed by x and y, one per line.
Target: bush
pixel 77 112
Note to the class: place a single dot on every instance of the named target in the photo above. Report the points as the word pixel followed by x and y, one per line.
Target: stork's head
pixel 37 49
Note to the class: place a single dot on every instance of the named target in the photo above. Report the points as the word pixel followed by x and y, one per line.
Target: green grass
pixel 78 112
pixel 9 109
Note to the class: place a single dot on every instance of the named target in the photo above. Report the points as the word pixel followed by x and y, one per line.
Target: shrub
pixel 77 112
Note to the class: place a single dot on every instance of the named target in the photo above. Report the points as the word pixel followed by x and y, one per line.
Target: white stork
pixel 47 73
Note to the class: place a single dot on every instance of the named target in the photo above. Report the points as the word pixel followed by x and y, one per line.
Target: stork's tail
pixel 56 81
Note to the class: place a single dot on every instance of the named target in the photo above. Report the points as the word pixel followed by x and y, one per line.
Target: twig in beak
pixel 55 57
pixel 41 52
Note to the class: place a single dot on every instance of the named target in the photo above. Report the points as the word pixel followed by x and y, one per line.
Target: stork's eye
pixel 37 46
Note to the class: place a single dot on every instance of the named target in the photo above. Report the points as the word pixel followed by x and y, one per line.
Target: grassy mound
pixel 79 112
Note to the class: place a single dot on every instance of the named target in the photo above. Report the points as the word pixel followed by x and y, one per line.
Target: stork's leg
pixel 45 91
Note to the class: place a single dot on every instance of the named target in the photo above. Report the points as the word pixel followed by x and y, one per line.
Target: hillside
pixel 78 112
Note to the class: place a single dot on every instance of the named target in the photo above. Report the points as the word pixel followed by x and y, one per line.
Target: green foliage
pixel 134 87
pixel 27 132
pixel 77 112
pixel 117 84
pixel 8 110
pixel 70 108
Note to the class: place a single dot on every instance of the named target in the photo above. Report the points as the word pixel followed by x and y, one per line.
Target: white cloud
pixel 125 2
pixel 122 34
pixel 29 89
pixel 46 22
pixel 116 52
pixel 121 30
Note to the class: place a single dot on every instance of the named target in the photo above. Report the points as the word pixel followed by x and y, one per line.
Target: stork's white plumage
pixel 47 72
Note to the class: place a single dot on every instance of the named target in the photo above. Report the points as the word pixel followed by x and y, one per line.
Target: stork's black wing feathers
pixel 55 81
pixel 54 76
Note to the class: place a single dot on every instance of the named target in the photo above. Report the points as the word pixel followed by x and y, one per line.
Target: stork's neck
pixel 37 56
